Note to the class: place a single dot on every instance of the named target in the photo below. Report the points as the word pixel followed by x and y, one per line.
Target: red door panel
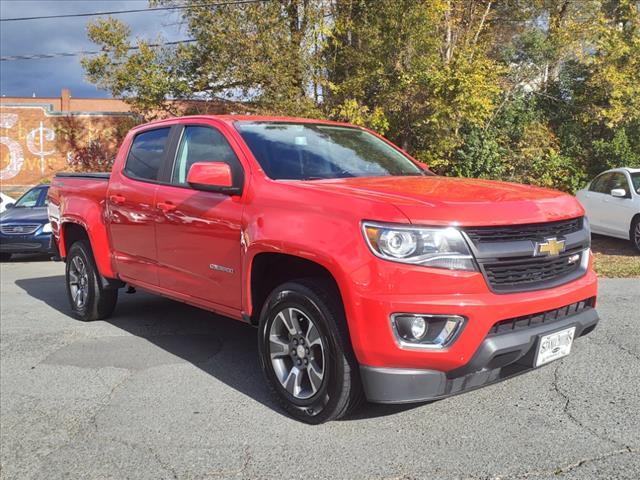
pixel 198 241
pixel 132 220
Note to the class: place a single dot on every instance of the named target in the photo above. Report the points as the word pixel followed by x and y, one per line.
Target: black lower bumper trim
pixel 498 357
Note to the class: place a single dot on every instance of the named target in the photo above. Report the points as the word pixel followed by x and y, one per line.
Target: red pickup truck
pixel 366 275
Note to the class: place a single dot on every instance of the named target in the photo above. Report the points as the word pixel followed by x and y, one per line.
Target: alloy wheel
pixel 78 281
pixel 297 353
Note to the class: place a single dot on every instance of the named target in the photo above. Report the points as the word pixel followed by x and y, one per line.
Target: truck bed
pixel 87 186
pixel 96 175
pixel 77 196
pixel 81 199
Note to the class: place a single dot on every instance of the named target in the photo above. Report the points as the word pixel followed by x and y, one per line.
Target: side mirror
pixel 619 192
pixel 212 177
pixel 9 205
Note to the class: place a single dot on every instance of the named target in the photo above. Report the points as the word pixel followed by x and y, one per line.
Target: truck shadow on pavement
pixel 224 348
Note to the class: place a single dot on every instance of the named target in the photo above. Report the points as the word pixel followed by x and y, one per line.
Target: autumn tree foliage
pixel 537 91
pixel 92 145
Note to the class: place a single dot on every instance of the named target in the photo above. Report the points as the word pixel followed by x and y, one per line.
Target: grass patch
pixel 615 258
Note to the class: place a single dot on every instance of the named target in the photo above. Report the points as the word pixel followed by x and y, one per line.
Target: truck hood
pixel 435 200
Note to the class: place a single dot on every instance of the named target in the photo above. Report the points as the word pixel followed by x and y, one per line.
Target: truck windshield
pixel 303 151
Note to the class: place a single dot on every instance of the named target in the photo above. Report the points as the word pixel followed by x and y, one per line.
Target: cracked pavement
pixel 165 391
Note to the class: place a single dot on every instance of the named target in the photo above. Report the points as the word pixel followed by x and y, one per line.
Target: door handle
pixel 166 207
pixel 117 199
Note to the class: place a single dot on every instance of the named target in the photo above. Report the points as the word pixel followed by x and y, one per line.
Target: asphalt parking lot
pixel 166 391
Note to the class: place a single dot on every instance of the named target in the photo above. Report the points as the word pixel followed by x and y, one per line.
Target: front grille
pixel 507 274
pixel 532 231
pixel 507 256
pixel 526 321
pixel 19 228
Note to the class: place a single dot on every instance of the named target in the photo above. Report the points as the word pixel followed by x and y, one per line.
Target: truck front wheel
pixel 88 299
pixel 305 352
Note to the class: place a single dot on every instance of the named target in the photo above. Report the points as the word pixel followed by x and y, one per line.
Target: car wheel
pixel 634 234
pixel 5 257
pixel 305 352
pixel 88 299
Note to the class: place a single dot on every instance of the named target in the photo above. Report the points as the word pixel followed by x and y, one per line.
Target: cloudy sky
pixel 46 77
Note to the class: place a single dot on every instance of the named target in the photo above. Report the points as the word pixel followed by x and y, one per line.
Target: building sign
pixel 35 142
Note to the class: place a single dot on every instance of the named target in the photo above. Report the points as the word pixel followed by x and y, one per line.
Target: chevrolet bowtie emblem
pixel 551 247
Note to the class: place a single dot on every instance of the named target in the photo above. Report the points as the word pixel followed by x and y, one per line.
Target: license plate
pixel 554 346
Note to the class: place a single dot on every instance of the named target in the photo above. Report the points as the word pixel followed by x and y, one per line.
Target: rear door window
pixel 146 154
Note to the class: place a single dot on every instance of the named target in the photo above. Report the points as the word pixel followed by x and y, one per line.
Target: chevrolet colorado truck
pixel 366 275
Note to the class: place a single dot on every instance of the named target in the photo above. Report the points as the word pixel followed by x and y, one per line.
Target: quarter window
pixel 145 157
pixel 203 144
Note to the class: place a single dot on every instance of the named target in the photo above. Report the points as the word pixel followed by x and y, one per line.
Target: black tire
pixel 634 233
pixel 5 257
pixel 340 390
pixel 98 302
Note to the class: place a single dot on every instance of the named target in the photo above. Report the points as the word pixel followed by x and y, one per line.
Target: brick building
pixel 42 136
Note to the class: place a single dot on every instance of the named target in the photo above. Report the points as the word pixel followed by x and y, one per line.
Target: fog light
pixel 418 327
pixel 425 331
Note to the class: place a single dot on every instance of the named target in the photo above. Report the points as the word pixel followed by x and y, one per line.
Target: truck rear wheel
pixel 88 299
pixel 305 352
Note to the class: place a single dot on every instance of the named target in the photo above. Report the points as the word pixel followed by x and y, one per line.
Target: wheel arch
pixel 71 231
pixel 269 269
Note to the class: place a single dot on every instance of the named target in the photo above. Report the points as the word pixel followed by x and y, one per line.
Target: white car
pixel 612 202
pixel 4 201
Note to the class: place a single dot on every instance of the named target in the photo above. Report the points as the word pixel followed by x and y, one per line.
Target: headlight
pixel 46 228
pixel 431 247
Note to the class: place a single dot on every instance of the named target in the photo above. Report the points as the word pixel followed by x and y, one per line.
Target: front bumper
pixel 35 243
pixel 427 291
pixel 497 358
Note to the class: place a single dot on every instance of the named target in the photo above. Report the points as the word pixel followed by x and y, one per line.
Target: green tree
pixel 537 91
pixel 423 65
pixel 262 53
